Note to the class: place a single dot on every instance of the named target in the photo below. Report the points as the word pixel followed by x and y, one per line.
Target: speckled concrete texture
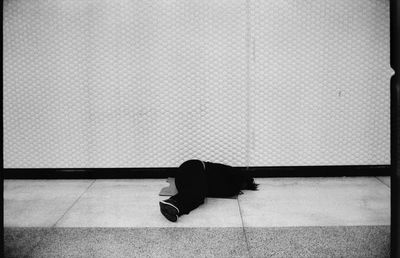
pixel 18 242
pixel 134 242
pixel 357 241
pixel 351 242
pixel 287 217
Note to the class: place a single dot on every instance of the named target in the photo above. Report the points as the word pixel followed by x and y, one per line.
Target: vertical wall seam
pixel 248 82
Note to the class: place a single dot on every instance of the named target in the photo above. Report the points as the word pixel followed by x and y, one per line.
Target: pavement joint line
pixel 27 255
pixel 244 230
pixel 73 204
pixel 387 187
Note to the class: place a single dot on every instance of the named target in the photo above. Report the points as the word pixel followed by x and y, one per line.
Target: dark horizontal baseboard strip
pixel 87 173
pixel 132 173
pixel 321 171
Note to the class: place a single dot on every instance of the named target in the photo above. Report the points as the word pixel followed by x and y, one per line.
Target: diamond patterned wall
pixel 95 83
pixel 320 82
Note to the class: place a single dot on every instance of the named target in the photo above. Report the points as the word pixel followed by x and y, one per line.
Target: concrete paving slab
pixel 39 203
pixel 385 180
pixel 214 212
pixel 285 202
pixel 352 241
pixel 135 203
pixel 141 242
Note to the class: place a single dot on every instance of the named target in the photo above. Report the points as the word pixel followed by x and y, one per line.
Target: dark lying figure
pixel 196 180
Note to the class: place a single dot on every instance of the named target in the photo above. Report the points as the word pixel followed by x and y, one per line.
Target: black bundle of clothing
pixel 195 180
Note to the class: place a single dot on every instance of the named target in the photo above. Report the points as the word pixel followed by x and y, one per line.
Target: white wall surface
pixel 95 83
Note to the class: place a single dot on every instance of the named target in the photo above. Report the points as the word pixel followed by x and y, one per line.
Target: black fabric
pixel 194 183
pixel 191 184
pixel 222 180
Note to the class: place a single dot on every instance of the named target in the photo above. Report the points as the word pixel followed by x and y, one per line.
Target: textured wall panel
pixel 124 83
pixel 95 83
pixel 320 80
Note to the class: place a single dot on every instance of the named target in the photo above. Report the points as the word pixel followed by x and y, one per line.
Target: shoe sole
pixel 169 211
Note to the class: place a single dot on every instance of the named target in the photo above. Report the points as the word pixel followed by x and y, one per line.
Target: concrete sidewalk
pixel 287 217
